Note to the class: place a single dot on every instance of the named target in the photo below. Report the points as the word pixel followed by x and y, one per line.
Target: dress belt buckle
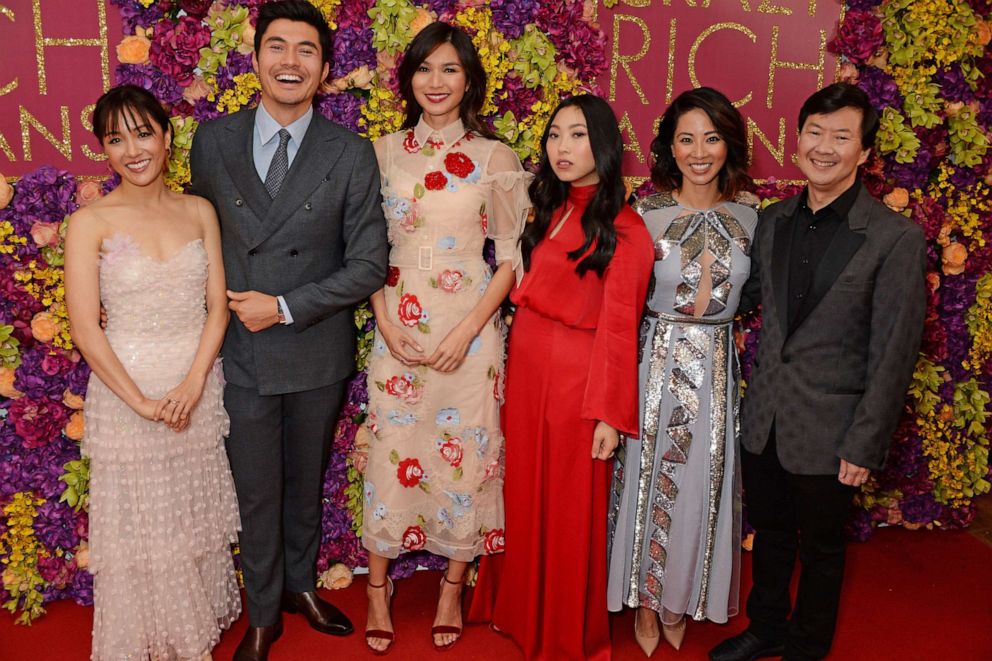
pixel 425 260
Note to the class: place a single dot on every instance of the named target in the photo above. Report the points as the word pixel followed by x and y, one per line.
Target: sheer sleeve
pixel 611 390
pixel 508 205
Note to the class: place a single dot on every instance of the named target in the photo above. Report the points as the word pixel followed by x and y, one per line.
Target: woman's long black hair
pixel 548 192
pixel 425 43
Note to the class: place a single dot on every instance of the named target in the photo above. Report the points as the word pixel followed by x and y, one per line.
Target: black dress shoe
pixel 746 647
pixel 256 643
pixel 322 616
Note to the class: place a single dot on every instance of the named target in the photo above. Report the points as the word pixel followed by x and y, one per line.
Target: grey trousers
pixel 278 449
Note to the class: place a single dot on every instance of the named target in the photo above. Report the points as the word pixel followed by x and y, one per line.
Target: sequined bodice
pixel 155 308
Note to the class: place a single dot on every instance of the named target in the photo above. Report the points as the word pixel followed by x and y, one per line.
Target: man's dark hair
pixel 838 96
pixel 295 10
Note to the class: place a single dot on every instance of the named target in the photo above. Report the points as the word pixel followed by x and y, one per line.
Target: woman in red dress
pixel 571 389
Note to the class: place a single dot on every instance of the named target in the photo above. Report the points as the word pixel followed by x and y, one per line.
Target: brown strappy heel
pixel 381 633
pixel 447 628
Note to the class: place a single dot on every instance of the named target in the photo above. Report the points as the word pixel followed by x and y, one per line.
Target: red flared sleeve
pixel 611 390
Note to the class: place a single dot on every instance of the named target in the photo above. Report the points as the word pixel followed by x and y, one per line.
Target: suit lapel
pixel 781 248
pixel 848 239
pixel 318 153
pixel 239 161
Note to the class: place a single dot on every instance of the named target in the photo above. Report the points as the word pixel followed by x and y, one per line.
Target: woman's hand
pixel 402 347
pixel 175 408
pixel 148 409
pixel 605 440
pixel 450 354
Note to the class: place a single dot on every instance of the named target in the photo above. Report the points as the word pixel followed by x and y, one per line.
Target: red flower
pixel 410 143
pixel 410 310
pixel 495 540
pixel 414 538
pixel 392 276
pixel 485 223
pixel 410 472
pixel 458 164
pixel 435 180
pixel 451 451
pixel 450 280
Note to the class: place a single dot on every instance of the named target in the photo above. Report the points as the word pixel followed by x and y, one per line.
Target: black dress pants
pixel 278 449
pixel 791 514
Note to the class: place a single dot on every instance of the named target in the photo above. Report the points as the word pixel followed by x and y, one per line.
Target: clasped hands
pixel 448 356
pixel 176 407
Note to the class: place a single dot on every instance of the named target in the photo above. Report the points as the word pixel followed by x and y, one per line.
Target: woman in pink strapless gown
pixel 163 511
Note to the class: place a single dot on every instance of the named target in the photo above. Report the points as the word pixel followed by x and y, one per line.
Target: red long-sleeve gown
pixel 572 361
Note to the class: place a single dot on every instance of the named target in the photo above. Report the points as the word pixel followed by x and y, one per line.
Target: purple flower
pixel 862 5
pixel 518 98
pixel 176 47
pixel 352 49
pixel 953 85
pixel 354 14
pixel 580 45
pixel 344 108
pixel 237 64
pixel 204 110
pixel 134 15
pixel 56 525
pixel 195 8
pixel 881 89
pixel 511 16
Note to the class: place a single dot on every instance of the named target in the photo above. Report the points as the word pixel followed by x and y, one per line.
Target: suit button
pixel 308 206
pixel 252 252
pixel 785 360
pixel 294 252
pixel 239 202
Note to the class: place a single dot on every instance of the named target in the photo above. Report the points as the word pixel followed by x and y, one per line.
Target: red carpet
pixel 909 595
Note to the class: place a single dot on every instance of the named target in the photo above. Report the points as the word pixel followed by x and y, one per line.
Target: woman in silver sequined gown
pixel 675 513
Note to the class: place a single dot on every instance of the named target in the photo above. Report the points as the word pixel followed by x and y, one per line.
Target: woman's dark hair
pixel 733 177
pixel 295 10
pixel 425 43
pixel 136 105
pixel 843 95
pixel 548 192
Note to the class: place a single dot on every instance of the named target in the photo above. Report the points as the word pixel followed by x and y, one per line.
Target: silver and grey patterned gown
pixel 675 513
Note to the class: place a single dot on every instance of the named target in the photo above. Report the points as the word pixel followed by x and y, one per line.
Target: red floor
pixel 908 596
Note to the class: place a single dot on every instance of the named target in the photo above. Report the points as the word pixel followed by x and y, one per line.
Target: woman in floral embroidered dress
pixel 434 478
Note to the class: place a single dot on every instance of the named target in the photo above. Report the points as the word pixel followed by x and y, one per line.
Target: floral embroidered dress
pixel 435 471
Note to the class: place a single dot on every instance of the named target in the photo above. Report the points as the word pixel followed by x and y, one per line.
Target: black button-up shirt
pixel 812 233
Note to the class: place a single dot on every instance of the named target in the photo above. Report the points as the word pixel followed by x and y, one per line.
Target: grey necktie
pixel 279 165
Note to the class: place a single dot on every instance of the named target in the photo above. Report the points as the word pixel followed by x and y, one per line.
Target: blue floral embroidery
pixel 447 243
pixel 447 417
pixel 379 513
pixel 399 418
pixel 444 518
pixel 369 492
pixel 462 502
pixel 475 345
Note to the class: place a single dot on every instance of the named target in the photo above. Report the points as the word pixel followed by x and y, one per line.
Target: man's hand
pixel 605 440
pixel 851 475
pixel 257 311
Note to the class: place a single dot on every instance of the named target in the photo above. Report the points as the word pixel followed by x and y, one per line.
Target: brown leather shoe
pixel 256 643
pixel 322 616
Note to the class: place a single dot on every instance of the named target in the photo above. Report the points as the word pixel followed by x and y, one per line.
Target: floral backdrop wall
pixel 925 64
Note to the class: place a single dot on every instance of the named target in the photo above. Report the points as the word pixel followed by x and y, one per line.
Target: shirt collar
pixel 268 127
pixel 842 204
pixel 449 135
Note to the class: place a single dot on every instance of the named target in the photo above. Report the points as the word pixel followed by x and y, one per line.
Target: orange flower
pixel 423 19
pixel 43 327
pixel 83 555
pixel 897 199
pixel 983 33
pixel 336 577
pixel 87 191
pixel 933 281
pixel 75 427
pixel 944 237
pixel 6 192
pixel 133 50
pixel 196 90
pixel 72 400
pixel 7 388
pixel 45 234
pixel 953 258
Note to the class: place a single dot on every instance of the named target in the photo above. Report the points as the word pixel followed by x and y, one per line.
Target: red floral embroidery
pixel 406 387
pixel 434 143
pixel 410 143
pixel 450 280
pixel 392 276
pixel 496 387
pixel 410 310
pixel 410 472
pixel 485 223
pixel 495 540
pixel 452 452
pixel 414 538
pixel 458 164
pixel 435 180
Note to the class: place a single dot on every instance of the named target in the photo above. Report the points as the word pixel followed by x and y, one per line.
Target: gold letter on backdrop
pixel 64 145
pixel 625 60
pixel 41 42
pixel 693 78
pixel 774 64
pixel 12 85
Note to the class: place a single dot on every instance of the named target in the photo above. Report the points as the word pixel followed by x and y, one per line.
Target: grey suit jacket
pixel 834 384
pixel 321 243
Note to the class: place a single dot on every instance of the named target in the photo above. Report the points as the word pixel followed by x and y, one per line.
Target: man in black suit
pixel 841 281
pixel 304 240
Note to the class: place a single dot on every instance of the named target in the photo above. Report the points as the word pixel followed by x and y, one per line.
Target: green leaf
pixel 394 457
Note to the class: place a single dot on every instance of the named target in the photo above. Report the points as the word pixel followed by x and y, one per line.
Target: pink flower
pixel 37 422
pixel 88 191
pixel 451 451
pixel 414 538
pixel 176 47
pixel 45 234
pixel 450 280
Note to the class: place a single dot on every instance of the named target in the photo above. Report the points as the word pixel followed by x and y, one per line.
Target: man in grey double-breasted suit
pixel 841 281
pixel 304 240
